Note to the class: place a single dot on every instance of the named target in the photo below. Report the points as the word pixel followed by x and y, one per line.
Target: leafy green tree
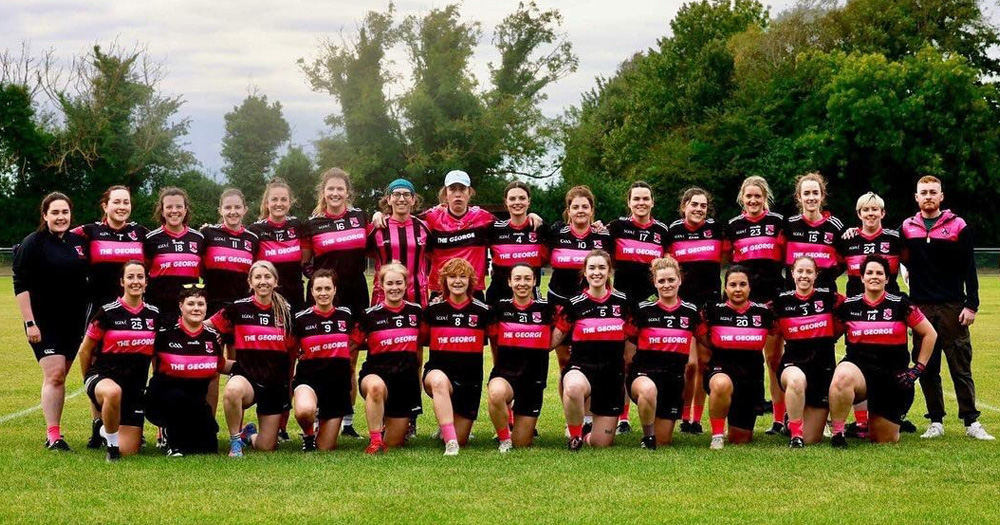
pixel 296 168
pixel 255 130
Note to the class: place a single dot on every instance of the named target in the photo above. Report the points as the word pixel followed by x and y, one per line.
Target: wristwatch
pixel 28 324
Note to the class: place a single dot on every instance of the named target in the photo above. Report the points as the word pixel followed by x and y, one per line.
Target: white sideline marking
pixel 15 415
pixel 979 404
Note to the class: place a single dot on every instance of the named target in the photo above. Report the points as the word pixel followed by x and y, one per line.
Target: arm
pixel 24 304
pixel 968 314
pixel 928 335
pixel 557 337
pixel 85 355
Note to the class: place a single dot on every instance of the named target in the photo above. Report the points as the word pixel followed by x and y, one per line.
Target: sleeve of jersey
pixel 305 236
pixel 221 321
pixel 358 335
pixel 971 275
pixel 95 330
pixel 23 265
pixel 631 330
pixel 81 231
pixel 913 315
pixel 563 323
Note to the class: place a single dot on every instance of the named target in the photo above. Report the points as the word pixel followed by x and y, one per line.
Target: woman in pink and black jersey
pixel 515 241
pixel 877 365
pixel 110 243
pixel 114 359
pixel 661 339
pixel 814 233
pixel 173 252
pixel 280 240
pixel 453 375
pixel 871 239
pixel 229 251
pixel 809 329
pixel 403 238
pixel 323 375
pixel 262 331
pixel 595 319
pixel 736 331
pixel 390 376
pixel 698 243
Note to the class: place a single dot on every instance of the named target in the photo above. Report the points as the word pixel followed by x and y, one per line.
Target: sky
pixel 214 53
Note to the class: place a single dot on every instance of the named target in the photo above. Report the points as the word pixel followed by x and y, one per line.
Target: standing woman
pixel 114 359
pixel 322 385
pixel 662 341
pixel 697 242
pixel 735 331
pixel 50 282
pixel 453 376
pixel 280 240
pixel 261 326
pixel 814 233
pixel 871 238
pixel 805 317
pixel 595 319
pixel 758 241
pixel 402 239
pixel 173 252
pixel 390 376
pixel 515 241
pixel 229 251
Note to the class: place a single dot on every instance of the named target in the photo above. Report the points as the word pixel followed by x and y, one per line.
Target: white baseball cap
pixel 457 177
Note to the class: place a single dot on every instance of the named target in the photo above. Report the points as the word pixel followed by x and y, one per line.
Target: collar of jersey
pixel 129 309
pixel 180 323
pixel 861 232
pixel 659 302
pixel 864 297
pixel 737 310
pixel 598 299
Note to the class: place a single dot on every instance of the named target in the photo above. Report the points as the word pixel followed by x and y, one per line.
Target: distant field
pixel 949 480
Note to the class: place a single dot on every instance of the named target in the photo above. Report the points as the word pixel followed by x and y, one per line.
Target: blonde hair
pixel 868 199
pixel 282 313
pixel 276 182
pixel 332 173
pixel 579 191
pixel 930 179
pixel 457 268
pixel 760 182
pixel 814 177
pixel 664 263
pixel 230 192
pixel 393 266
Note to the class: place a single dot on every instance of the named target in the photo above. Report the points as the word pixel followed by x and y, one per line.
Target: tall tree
pixel 255 130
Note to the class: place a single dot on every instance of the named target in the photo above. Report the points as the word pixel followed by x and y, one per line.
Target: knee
pixel 796 383
pixel 841 383
pixel 305 409
pixel 647 392
pixel 56 377
pixel 112 393
pixel 720 385
pixel 573 389
pixel 376 392
pixel 497 395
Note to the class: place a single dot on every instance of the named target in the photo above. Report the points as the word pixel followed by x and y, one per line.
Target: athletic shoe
pixel 857 430
pixel 575 443
pixel 96 441
pixel 718 442
pixel 59 444
pixel 174 453
pixel 247 434
pixel 587 428
pixel 348 431
pixel 505 446
pixel 648 442
pixel 796 442
pixel 114 454
pixel 283 436
pixel 624 427
pixel 235 448
pixel 838 440
pixel 976 431
pixel 376 448
pixel 934 430
pixel 907 427
pixel 161 440
pixel 411 429
pixel 308 443
pixel 828 429
pixel 777 429
pixel 696 428
pixel 685 427
pixel 451 448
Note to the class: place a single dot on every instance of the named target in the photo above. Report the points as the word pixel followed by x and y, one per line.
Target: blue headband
pixel 400 183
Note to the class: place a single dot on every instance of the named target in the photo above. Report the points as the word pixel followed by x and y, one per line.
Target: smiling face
pixel 278 203
pixel 174 211
pixel 133 281
pixel 738 288
pixel 522 282
pixel 517 202
pixel 754 200
pixel 193 309
pixel 581 213
pixel 667 282
pixel 58 216
pixel 811 197
pixel 232 211
pixel 696 209
pixel 871 216
pixel 457 196
pixel 458 286
pixel 596 269
pixel 874 277
pixel 335 195
pixel 118 208
pixel 262 282
pixel 401 200
pixel 322 291
pixel 394 286
pixel 640 203
pixel 804 275
pixel 929 197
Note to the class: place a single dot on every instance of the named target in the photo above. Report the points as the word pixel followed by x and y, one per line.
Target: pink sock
pixel 53 433
pixel 375 436
pixel 779 412
pixel 575 430
pixel 698 411
pixel 838 426
pixel 448 432
pixel 795 427
pixel 503 434
pixel 718 425
pixel 624 414
pixel 686 413
pixel 510 417
pixel 861 416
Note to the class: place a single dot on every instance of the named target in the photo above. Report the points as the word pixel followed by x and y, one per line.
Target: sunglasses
pixel 197 286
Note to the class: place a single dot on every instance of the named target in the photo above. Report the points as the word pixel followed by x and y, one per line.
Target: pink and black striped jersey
pixel 262 347
pixel 877 332
pixel 807 323
pixel 226 262
pixel 406 242
pixel 885 243
pixel 466 237
pixel 107 250
pixel 597 327
pixel 738 330
pixel 188 356
pixel 126 337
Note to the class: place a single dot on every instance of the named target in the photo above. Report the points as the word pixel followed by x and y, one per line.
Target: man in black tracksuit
pixel 944 285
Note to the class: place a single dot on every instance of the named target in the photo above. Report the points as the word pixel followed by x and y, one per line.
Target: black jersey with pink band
pixel 568 249
pixel 635 246
pixel 466 237
pixel 885 243
pixel 262 347
pixel 699 250
pixel 758 243
pixel 457 332
pixel 339 242
pixel 391 333
pixel 738 331
pixel 876 332
pixel 227 260
pixel 807 322
pixel 107 250
pixel 126 340
pixel 406 242
pixel 522 334
pixel 194 358
pixel 323 337
pixel 597 328
pixel 280 243
pixel 511 245
pixel 818 240
pixel 174 260
pixel 663 334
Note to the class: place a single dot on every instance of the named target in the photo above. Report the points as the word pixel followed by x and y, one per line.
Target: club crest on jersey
pixel 79 251
pixel 656 238
pixel 819 306
pixel 616 310
pixel 413 320
pixel 473 320
pixel 887 314
pixel 828 237
pixel 209 347
pixel 685 322
pixel 884 247
pixel 757 320
pixel 248 246
pixel 150 324
pixel 598 245
pixel 341 325
pixel 532 237
pixel 291 233
pixel 536 317
pixel 708 234
pixel 133 236
pixel 193 246
pixel 354 222
pixel 768 229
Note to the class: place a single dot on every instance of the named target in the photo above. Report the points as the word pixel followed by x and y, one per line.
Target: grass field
pixel 953 479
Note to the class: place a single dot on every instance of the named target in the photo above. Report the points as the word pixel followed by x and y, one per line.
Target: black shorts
pixel 400 374
pixel 466 384
pixel 818 368
pixel 765 288
pixel 669 381
pixel 886 397
pixel 607 387
pixel 747 375
pixel 331 382
pixel 133 409
pixel 55 345
pixel 270 399
pixel 528 391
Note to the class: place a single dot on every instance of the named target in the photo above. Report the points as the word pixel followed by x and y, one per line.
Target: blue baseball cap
pixel 400 183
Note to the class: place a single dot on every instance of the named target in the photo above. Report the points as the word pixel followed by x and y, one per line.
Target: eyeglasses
pixel 401 195
pixel 197 286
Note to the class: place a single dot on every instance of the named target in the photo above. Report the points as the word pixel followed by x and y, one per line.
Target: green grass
pixel 952 479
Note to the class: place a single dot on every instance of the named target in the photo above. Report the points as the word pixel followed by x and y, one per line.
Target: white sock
pixel 348 420
pixel 588 420
pixel 110 437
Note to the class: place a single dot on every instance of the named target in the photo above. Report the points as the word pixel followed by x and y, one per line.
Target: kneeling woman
pixel 114 359
pixel 390 376
pixel 187 358
pixel 736 331
pixel 453 376
pixel 876 366
pixel 806 323
pixel 664 331
pixel 596 368
pixel 521 339
pixel 323 375
pixel 261 328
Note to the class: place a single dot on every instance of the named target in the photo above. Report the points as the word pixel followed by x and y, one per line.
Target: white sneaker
pixel 717 442
pixel 451 448
pixel 505 446
pixel 976 431
pixel 935 430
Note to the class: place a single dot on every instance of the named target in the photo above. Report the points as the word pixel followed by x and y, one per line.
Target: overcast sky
pixel 213 51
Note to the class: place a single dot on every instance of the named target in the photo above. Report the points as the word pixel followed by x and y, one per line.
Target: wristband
pixel 28 324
